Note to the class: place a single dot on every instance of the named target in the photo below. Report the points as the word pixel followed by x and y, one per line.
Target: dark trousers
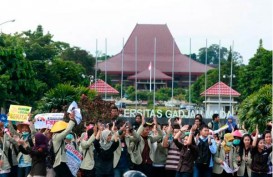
pixel 170 173
pixel 224 174
pixel 183 174
pixel 87 173
pixel 200 170
pixel 62 170
pixel 147 169
pixel 105 175
pixel 253 174
pixel 13 171
pixel 159 171
pixel 23 171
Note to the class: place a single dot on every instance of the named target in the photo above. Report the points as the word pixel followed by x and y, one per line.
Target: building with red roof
pixel 102 87
pixel 220 98
pixel 146 43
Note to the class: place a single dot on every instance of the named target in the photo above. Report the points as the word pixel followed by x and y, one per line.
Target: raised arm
pixel 71 124
pixel 168 133
pixel 254 143
pixel 160 133
pixel 193 128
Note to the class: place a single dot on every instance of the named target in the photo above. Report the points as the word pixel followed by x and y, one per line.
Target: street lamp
pixel 91 77
pixel 230 83
pixel 7 22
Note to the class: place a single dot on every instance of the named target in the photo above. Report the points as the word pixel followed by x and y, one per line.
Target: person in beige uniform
pixel 26 133
pixel 60 129
pixel 225 154
pixel 244 156
pixel 145 155
pixel 87 146
pixel 4 146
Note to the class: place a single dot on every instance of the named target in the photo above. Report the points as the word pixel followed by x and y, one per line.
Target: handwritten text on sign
pixel 19 113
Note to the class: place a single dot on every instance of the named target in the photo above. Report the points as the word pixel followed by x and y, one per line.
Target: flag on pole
pixel 150 69
pixel 150 66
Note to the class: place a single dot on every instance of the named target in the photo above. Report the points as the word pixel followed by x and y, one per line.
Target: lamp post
pixel 230 83
pixel 91 78
pixel 7 22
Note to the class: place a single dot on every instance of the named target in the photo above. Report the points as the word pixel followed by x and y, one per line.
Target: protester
pixel 188 152
pixel 231 124
pixel 37 153
pixel 245 156
pixel 173 155
pixel 215 123
pixel 26 133
pixel 114 113
pixel 145 154
pixel 4 146
pixel 225 154
pixel 60 130
pixel 87 165
pixel 206 148
pixel 105 148
pixel 259 155
pixel 122 159
pixel 136 124
pixel 160 156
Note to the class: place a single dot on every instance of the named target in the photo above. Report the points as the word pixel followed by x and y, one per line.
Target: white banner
pixel 47 120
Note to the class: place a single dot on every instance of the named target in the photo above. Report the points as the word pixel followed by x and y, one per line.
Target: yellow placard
pixel 19 113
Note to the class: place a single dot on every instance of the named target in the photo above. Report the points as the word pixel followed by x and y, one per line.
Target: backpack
pixel 50 159
pixel 204 154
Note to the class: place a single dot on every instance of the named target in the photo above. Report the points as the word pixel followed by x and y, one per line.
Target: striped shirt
pixel 172 157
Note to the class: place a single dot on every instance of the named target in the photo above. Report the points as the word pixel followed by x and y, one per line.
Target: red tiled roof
pixel 101 87
pixel 225 90
pixel 146 75
pixel 145 36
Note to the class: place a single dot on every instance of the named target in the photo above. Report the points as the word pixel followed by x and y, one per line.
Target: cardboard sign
pixel 19 113
pixel 74 159
pixel 47 120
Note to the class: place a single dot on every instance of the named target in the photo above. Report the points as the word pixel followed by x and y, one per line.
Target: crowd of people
pixel 110 149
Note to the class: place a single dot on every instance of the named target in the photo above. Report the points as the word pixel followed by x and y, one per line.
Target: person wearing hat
pixel 60 130
pixel 69 139
pixel 225 153
pixel 26 132
pixel 146 153
pixel 133 173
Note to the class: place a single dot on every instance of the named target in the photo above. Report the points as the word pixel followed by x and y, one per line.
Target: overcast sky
pixel 81 22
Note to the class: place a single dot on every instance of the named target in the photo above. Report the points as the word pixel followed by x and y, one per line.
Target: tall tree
pixel 17 78
pixel 40 46
pixel 257 73
pixel 212 54
pixel 80 56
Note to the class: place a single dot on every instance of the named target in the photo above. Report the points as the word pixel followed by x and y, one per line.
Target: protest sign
pixel 74 107
pixel 221 129
pixel 4 119
pixel 47 120
pixel 19 113
pixel 74 159
pixel 228 169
